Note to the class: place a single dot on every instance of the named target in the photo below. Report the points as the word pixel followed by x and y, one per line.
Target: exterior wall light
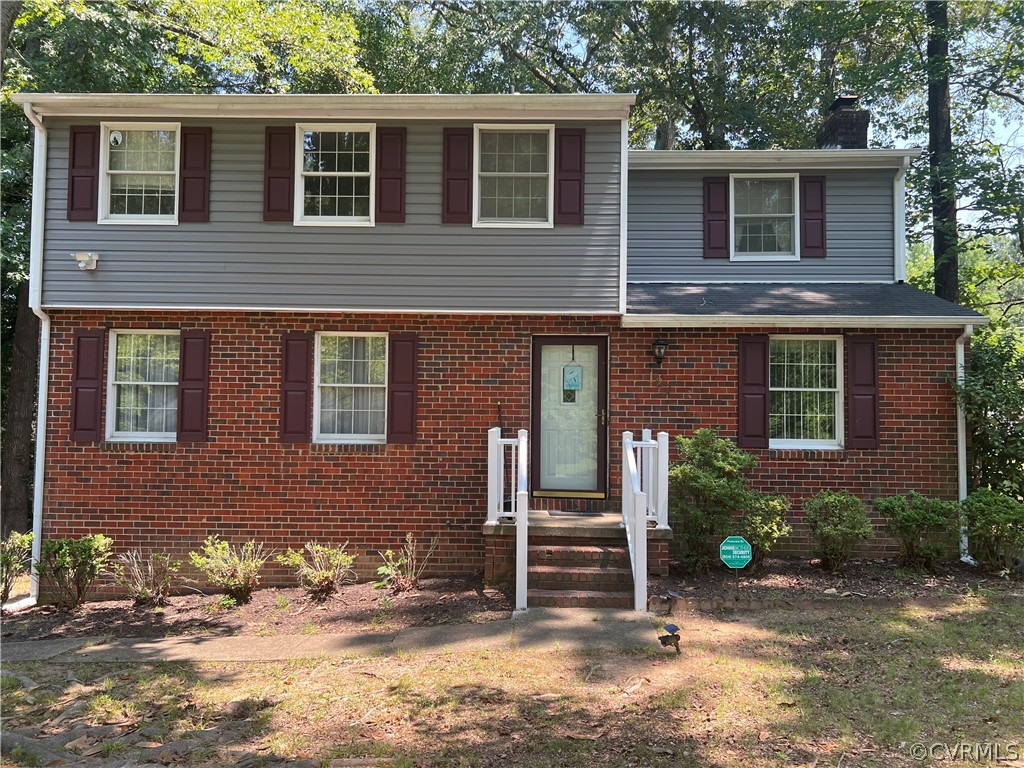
pixel 658 350
pixel 86 260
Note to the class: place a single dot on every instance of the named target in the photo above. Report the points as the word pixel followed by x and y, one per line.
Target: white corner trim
pixel 790 321
pixel 623 215
pixel 899 205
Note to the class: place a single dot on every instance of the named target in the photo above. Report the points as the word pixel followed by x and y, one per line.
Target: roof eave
pixel 763 159
pixel 796 321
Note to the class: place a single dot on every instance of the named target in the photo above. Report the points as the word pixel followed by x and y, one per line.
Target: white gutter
pixel 35 302
pixel 961 443
pixel 760 159
pixel 899 202
pixel 791 321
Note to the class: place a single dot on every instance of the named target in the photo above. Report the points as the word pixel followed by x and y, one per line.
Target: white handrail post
pixel 627 446
pixel 647 473
pixel 494 474
pixel 662 497
pixel 522 521
pixel 640 550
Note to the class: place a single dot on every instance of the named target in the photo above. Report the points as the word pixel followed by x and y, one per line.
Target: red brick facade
pixel 244 483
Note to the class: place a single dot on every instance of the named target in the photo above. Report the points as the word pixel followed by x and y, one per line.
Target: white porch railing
pixel 508 467
pixel 644 498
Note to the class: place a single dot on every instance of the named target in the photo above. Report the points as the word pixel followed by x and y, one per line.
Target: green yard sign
pixel 736 552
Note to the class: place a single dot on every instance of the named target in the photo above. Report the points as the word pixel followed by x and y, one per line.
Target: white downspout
pixel 961 444
pixel 35 302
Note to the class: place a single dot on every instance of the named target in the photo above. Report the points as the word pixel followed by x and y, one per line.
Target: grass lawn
pixel 842 686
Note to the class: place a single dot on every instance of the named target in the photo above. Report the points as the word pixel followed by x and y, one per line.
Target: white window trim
pixel 103 207
pixel 130 437
pixel 347 439
pixel 516 128
pixel 826 445
pixel 733 255
pixel 302 220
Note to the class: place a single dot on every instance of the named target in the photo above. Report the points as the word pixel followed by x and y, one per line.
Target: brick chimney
pixel 846 127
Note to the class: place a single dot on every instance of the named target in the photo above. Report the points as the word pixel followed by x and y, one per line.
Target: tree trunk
pixel 940 153
pixel 9 11
pixel 16 455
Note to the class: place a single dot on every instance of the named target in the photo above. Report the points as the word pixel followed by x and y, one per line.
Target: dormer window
pixel 139 182
pixel 335 167
pixel 514 168
pixel 764 211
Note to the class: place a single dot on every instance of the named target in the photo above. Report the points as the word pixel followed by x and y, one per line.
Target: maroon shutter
pixel 457 190
pixel 862 391
pixel 753 392
pixel 812 217
pixel 716 217
pixel 194 200
pixel 193 386
pixel 83 172
pixel 279 173
pixel 402 388
pixel 87 385
pixel 390 175
pixel 570 159
pixel 297 388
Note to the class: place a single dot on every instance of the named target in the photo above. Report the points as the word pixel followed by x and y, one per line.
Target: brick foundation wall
pixel 244 483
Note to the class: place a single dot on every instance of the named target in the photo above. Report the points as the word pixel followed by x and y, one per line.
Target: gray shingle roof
pixel 791 299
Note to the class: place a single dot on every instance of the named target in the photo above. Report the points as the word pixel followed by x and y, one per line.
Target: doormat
pixel 573 513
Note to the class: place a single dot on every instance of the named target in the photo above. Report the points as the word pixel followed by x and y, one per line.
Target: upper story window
pixel 335 169
pixel 514 169
pixel 139 179
pixel 764 210
pixel 142 401
pixel 350 402
pixel 804 379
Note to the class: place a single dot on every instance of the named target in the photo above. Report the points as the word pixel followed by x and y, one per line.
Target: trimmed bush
pixel 234 570
pixel 15 551
pixel 838 521
pixel 764 524
pixel 147 580
pixel 921 525
pixel 320 568
pixel 71 567
pixel 995 527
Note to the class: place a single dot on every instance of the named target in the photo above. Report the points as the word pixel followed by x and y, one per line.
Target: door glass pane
pixel 568 418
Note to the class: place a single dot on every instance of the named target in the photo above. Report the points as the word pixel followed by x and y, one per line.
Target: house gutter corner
pixel 961 443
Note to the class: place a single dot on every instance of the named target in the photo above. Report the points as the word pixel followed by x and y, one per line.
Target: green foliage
pixel 320 568
pixel 838 521
pixel 995 527
pixel 922 526
pixel 401 572
pixel 15 551
pixel 71 566
pixel 232 569
pixel 709 485
pixel 148 580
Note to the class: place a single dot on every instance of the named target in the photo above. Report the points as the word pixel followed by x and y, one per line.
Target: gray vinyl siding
pixel 238 260
pixel 666 231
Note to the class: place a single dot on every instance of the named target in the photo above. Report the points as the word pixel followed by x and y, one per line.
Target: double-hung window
pixel 514 170
pixel 350 400
pixel 142 401
pixel 764 211
pixel 335 167
pixel 805 375
pixel 139 173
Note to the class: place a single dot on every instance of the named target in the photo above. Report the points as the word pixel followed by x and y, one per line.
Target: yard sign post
pixel 736 553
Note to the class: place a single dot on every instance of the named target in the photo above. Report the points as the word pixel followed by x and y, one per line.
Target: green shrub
pixel 764 524
pixel 147 580
pixel 709 487
pixel 838 521
pixel 402 571
pixel 995 527
pixel 321 569
pixel 15 552
pixel 234 570
pixel 71 566
pixel 920 524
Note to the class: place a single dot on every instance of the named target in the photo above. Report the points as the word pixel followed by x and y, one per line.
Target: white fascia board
pixel 350 107
pixel 795 321
pixel 765 159
pixel 335 310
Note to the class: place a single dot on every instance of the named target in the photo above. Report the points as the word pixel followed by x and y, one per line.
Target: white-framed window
pixel 139 173
pixel 142 385
pixel 350 388
pixel 334 169
pixel 764 214
pixel 514 172
pixel 805 383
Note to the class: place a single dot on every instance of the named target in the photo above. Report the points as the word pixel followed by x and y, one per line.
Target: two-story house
pixel 298 317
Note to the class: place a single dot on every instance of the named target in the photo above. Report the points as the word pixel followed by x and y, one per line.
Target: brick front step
pixel 579 577
pixel 583 555
pixel 568 598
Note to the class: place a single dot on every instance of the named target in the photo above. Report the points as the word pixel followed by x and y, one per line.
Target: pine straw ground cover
pixel 838 686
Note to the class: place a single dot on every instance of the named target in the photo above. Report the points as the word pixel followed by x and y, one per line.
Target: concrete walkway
pixel 537 629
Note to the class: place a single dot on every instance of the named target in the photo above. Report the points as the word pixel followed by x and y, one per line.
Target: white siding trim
pixel 899 238
pixel 623 216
